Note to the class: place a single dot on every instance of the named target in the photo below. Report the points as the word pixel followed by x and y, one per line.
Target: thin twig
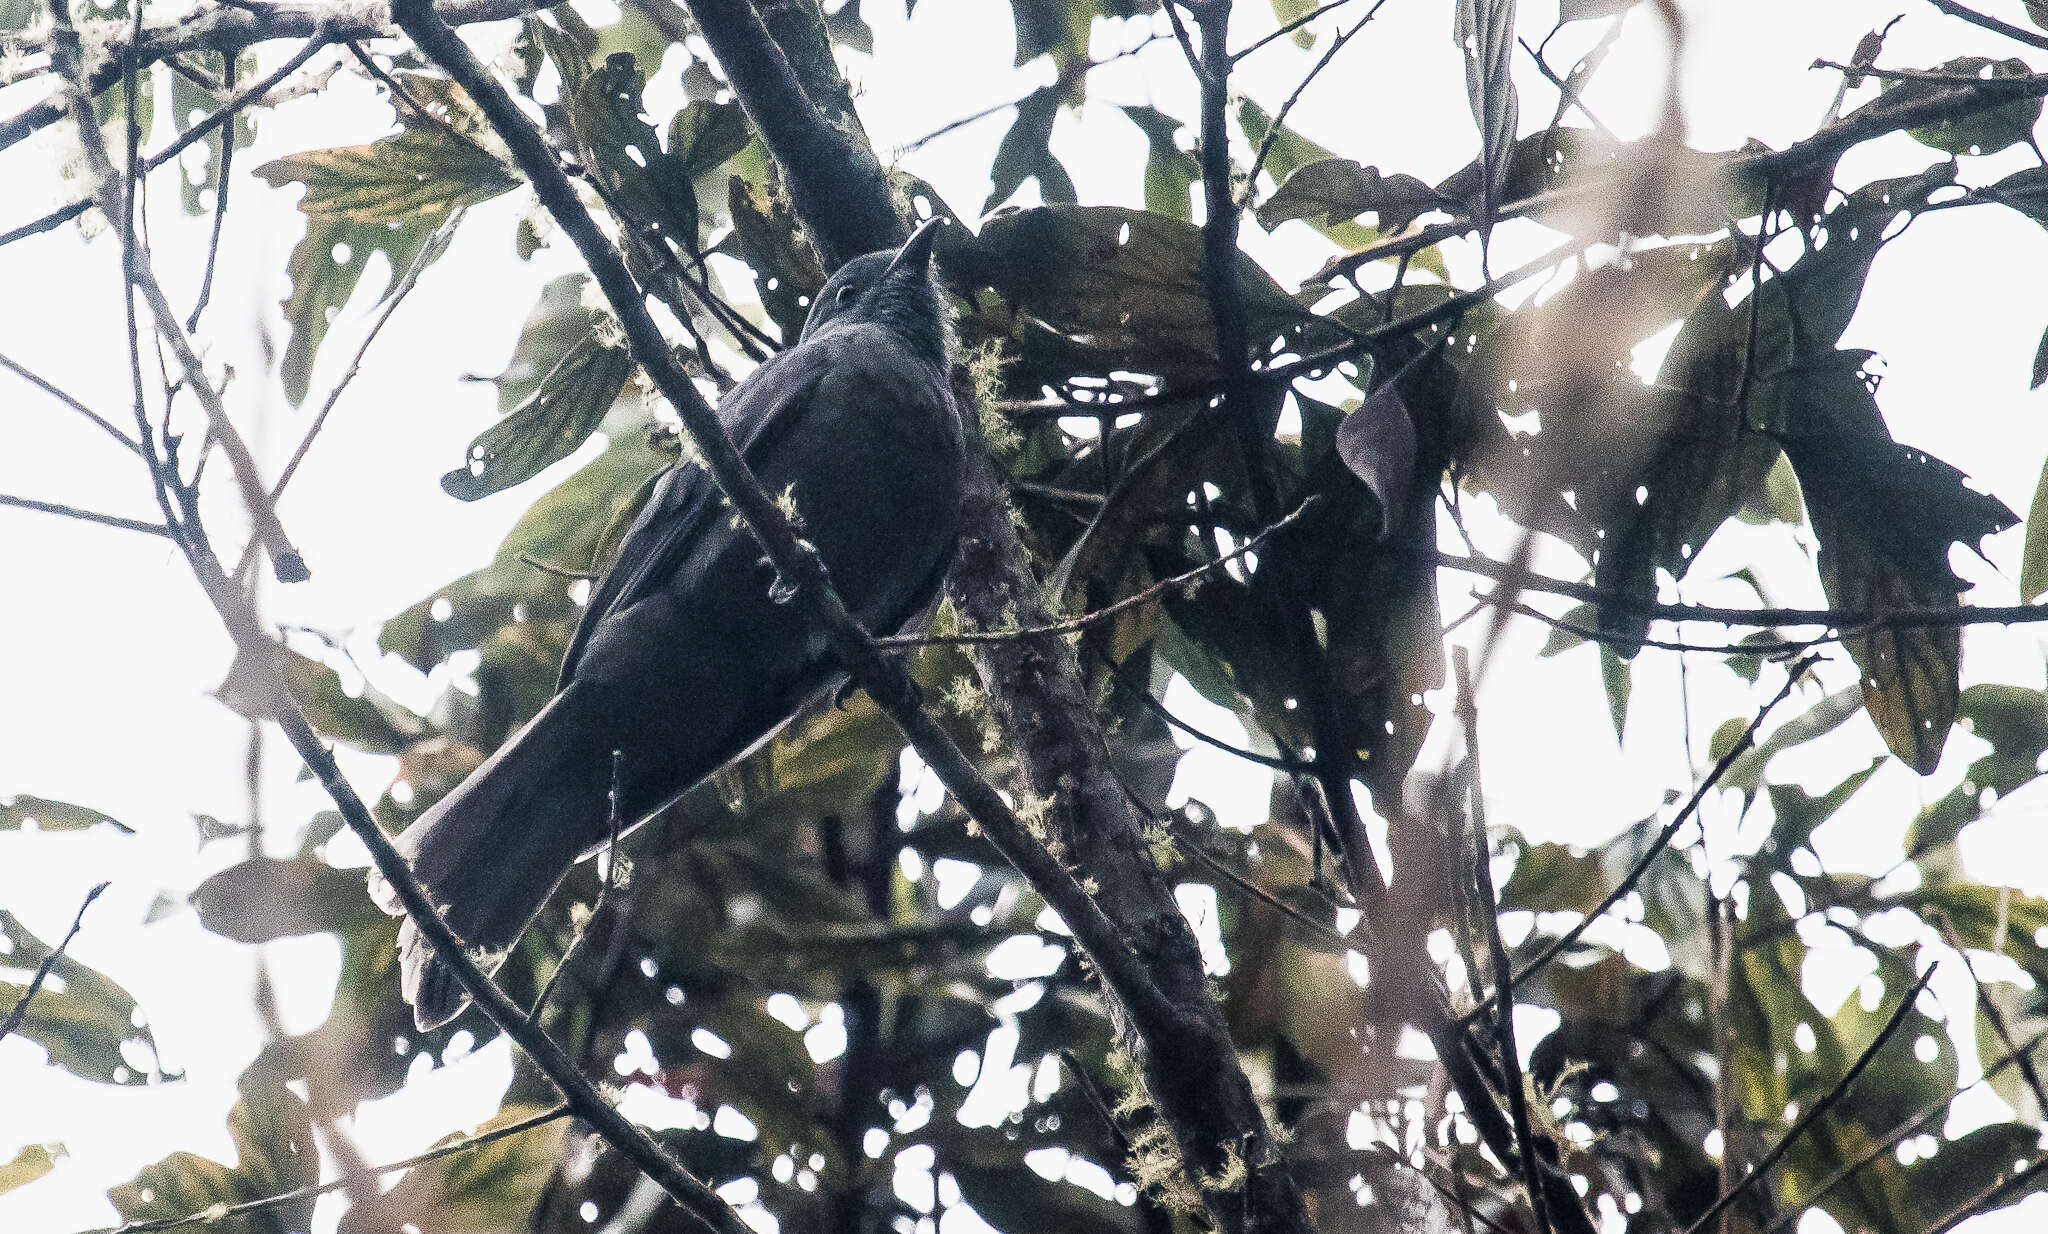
pixel 35 983
pixel 1841 619
pixel 218 1214
pixel 1074 625
pixel 604 890
pixel 2022 82
pixel 1995 1017
pixel 1288 29
pixel 100 422
pixel 1987 1197
pixel 401 94
pixel 1489 914
pixel 1911 1126
pixel 1820 1107
pixel 227 111
pixel 1988 22
pixel 1066 81
pixel 1656 846
pixel 220 192
pixel 1251 180
pixel 425 257
pixel 87 516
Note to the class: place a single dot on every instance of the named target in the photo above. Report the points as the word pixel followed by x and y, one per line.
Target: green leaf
pixel 366 720
pixel 263 898
pixel 30 1164
pixel 1128 285
pixel 1170 172
pixel 564 409
pixel 1856 479
pixel 493 1187
pixel 2034 561
pixel 47 815
pixel 1025 152
pixel 1289 153
pixel 1285 11
pixel 80 1016
pixel 1339 189
pixel 388 196
pixel 2040 375
pixel 624 157
pixel 787 272
pixel 191 102
pixel 563 527
pixel 1581 10
pixel 275 1153
pixel 1982 132
pixel 1484 32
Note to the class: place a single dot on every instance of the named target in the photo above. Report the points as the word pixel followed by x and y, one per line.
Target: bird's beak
pixel 916 252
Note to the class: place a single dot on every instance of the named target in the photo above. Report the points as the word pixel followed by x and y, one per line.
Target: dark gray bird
pixel 683 661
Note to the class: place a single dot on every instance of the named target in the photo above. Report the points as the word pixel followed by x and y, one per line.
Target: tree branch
pixel 1820 1108
pixel 1988 22
pixel 1087 621
pixel 1649 855
pixel 1133 931
pixel 98 421
pixel 42 974
pixel 226 28
pixel 1489 913
pixel 86 516
pixel 64 214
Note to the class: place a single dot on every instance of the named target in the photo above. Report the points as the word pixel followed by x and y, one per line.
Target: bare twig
pixel 1489 914
pixel 1067 79
pixel 1934 76
pixel 1938 1108
pixel 1820 1107
pixel 1988 1196
pixel 1251 179
pixel 98 421
pixel 425 257
pixel 197 132
pixel 604 891
pixel 1994 1016
pixel 1663 840
pixel 1288 29
pixel 220 191
pixel 42 974
pixel 1988 22
pixel 88 516
pixel 1075 625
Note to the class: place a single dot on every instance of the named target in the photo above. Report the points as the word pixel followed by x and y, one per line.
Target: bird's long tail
pixel 491 851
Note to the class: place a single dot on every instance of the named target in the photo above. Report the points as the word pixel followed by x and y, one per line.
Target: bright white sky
pixel 110 653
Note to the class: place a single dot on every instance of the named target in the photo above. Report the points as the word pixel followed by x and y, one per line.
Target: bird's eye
pixel 848 292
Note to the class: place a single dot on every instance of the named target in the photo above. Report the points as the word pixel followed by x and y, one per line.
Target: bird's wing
pixel 754 414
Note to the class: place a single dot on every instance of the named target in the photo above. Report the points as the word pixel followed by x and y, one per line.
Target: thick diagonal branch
pixel 1035 684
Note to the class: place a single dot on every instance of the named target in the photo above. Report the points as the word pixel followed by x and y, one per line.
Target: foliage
pixel 801 960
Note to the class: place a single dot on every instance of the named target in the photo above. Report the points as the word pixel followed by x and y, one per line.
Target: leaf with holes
pixel 81 1017
pixel 388 196
pixel 639 179
pixel 1484 31
pixel 1987 131
pixel 365 719
pixel 16 813
pixel 564 409
pixel 1857 480
pixel 786 271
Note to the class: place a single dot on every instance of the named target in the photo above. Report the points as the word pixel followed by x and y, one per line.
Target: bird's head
pixel 889 288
